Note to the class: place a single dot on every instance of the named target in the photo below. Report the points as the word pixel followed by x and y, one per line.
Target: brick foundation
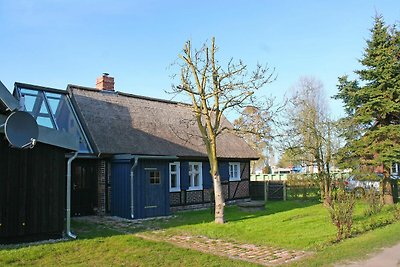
pixel 101 187
pixel 193 197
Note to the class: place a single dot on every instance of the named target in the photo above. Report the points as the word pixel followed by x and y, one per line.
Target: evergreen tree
pixel 372 104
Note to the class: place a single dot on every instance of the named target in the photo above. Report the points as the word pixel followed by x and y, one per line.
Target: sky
pixel 54 43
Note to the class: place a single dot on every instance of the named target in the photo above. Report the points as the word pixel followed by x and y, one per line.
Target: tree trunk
pixel 219 200
pixel 387 193
pixel 327 190
pixel 218 196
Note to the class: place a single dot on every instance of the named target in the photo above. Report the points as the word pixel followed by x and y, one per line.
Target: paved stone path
pixel 263 255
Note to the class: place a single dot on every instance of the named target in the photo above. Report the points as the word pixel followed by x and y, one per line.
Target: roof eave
pixel 7 99
pixel 82 121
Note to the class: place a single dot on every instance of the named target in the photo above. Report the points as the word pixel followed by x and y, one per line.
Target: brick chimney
pixel 105 82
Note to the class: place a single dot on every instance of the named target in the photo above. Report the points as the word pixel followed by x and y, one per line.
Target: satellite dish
pixel 21 130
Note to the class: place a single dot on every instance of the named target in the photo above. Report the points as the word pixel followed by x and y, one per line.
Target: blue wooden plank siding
pixel 121 184
pixel 184 175
pixel 120 189
pixel 158 204
pixel 224 170
pixel 207 181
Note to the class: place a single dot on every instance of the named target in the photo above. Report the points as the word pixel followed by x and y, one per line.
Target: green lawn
pixel 291 225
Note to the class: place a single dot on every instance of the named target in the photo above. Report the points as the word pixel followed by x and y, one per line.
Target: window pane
pixel 196 180
pixel 67 122
pixel 54 103
pixel 53 95
pixel 173 168
pixel 44 121
pixel 29 102
pixel 27 91
pixel 394 168
pixel 196 167
pixel 43 108
pixel 173 180
pixel 155 177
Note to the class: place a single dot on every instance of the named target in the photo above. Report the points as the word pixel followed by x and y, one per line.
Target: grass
pixel 115 250
pixel 290 225
pixel 282 224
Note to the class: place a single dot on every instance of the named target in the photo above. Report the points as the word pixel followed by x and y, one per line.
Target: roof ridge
pixel 128 95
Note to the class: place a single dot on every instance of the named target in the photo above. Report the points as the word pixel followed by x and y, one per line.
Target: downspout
pixel 132 170
pixel 68 230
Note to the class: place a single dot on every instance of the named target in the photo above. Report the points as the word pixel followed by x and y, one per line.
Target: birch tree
pixel 255 127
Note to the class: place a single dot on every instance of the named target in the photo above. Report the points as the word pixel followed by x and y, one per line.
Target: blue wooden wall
pixel 120 184
pixel 120 188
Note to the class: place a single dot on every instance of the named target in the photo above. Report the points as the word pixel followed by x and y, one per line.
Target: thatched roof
pixel 120 123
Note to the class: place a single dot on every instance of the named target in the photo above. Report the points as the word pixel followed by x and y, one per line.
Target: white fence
pixel 268 177
pixel 284 177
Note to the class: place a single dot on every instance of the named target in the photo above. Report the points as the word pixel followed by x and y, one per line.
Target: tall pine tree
pixel 372 104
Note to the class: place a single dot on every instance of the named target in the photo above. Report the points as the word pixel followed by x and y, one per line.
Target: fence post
pixel 266 191
pixel 284 190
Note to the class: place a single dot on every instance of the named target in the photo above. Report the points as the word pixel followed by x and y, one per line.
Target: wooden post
pixel 265 192
pixel 284 190
pixel 266 188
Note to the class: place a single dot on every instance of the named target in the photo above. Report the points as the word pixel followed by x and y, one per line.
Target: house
pixel 138 157
pixel 32 180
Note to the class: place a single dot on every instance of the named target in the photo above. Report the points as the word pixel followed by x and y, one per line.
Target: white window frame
pixel 395 169
pixel 232 165
pixel 192 175
pixel 177 172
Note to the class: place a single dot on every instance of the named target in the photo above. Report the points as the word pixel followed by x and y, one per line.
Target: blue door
pixel 154 195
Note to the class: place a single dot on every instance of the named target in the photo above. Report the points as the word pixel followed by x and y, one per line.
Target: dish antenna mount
pixel 21 130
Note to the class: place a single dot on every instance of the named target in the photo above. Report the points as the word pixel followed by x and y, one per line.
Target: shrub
pixel 341 210
pixel 396 212
pixel 374 203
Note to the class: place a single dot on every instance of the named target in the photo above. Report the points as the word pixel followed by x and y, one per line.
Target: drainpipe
pixel 68 230
pixel 132 169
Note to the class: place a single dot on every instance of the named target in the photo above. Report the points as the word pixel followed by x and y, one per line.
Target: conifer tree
pixel 372 104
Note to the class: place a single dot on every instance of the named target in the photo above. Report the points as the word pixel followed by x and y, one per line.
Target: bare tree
pixel 255 127
pixel 214 90
pixel 308 131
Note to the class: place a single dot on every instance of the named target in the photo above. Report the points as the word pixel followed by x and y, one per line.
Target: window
pixel 195 176
pixel 155 177
pixel 395 169
pixel 174 177
pixel 234 171
pixel 53 110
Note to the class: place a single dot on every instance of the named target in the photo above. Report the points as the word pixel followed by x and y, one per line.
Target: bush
pixel 341 210
pixel 396 212
pixel 374 202
pixel 387 215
